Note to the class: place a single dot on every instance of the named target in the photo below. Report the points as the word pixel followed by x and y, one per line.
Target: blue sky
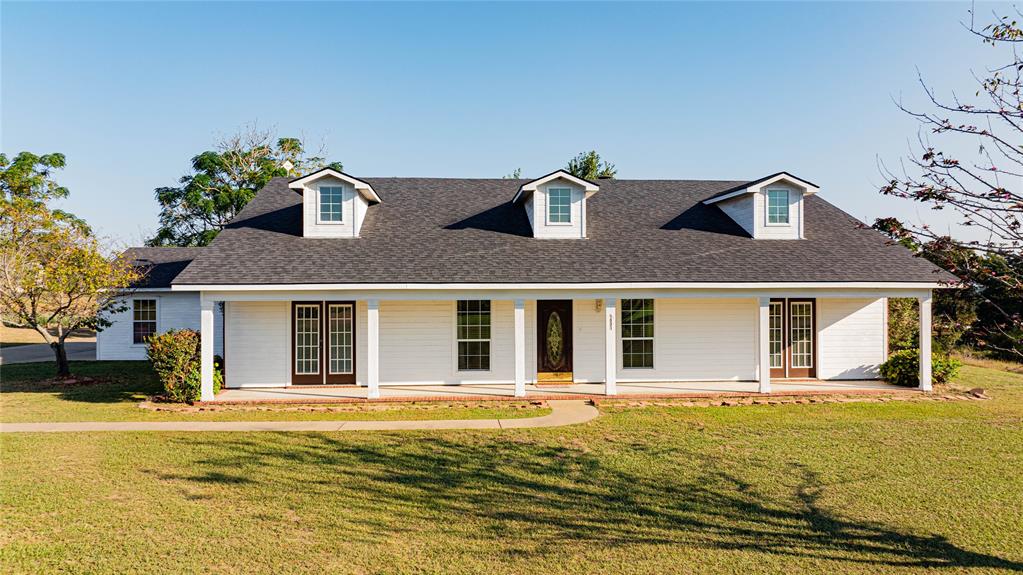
pixel 130 92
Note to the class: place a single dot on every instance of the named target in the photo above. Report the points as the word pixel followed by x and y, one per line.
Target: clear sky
pixel 131 91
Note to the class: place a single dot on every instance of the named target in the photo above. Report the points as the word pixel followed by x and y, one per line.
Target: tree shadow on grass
pixel 95 381
pixel 556 495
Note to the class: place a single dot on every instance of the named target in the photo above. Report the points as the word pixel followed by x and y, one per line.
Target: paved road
pixel 76 351
pixel 563 412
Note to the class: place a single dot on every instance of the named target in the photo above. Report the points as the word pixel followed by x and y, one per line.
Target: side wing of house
pixel 151 312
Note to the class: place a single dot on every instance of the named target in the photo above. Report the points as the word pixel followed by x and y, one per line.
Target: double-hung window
pixel 143 318
pixel 473 327
pixel 637 333
pixel 330 203
pixel 777 207
pixel 559 205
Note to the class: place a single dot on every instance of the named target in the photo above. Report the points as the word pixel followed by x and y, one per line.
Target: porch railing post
pixel 206 350
pixel 373 348
pixel 520 348
pixel 925 342
pixel 764 345
pixel 610 346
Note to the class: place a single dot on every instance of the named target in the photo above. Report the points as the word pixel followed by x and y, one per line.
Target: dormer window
pixel 330 204
pixel 777 207
pixel 559 205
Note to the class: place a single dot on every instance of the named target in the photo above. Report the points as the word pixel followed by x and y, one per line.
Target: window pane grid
pixel 801 334
pixel 340 330
pixel 143 319
pixel 307 339
pixel 776 330
pixel 473 335
pixel 777 206
pixel 330 203
pixel 637 333
pixel 559 205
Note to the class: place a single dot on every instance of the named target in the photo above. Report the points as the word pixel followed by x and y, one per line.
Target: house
pixel 330 279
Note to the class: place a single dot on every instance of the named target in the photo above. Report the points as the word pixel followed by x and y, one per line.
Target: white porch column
pixel 925 342
pixel 373 348
pixel 764 345
pixel 520 348
pixel 610 346
pixel 206 349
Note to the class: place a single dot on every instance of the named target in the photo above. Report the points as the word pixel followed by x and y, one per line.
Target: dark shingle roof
pixel 161 265
pixel 432 230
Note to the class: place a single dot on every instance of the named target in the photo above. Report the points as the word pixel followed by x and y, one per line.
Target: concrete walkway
pixel 76 351
pixel 563 412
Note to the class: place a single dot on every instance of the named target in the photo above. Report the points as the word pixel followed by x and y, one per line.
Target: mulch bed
pixel 155 405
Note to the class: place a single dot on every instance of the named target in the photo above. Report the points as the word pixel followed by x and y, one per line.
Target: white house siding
pixel 541 229
pixel 588 341
pixel 700 340
pixel 173 311
pixel 258 344
pixel 353 209
pixel 852 338
pixel 741 210
pixel 418 344
pixel 792 231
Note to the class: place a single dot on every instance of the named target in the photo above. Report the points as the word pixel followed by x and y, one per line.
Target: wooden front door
pixel 554 340
pixel 323 342
pixel 792 329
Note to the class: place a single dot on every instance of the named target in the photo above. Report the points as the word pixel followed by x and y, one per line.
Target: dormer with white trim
pixel 556 205
pixel 334 204
pixel 770 208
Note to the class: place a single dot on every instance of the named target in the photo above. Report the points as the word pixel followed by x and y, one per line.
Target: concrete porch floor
pixel 314 394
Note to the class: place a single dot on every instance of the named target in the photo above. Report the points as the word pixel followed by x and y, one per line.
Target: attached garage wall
pixel 258 344
pixel 852 338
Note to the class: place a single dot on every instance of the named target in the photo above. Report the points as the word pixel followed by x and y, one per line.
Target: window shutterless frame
pixel 559 206
pixel 330 203
pixel 144 318
pixel 777 208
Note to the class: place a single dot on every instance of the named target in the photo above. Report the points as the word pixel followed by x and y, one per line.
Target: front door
pixel 792 328
pixel 323 343
pixel 554 340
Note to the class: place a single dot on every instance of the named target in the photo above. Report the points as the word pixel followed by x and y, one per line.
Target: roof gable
pixel 531 186
pixel 360 186
pixel 750 187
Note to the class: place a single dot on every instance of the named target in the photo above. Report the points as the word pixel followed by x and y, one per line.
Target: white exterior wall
pixel 173 311
pixel 700 340
pixel 353 211
pixel 851 338
pixel 794 229
pixel 258 344
pixel 541 229
pixel 588 341
pixel 741 209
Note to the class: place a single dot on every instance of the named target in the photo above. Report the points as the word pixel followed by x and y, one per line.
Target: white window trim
pixel 547 206
pixel 131 319
pixel 454 338
pixel 622 338
pixel 326 334
pixel 319 212
pixel 294 323
pixel 788 207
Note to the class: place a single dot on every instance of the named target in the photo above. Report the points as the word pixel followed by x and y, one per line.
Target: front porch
pixel 493 343
pixel 330 394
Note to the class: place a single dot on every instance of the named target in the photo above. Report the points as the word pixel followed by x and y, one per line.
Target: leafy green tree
pixel 590 166
pixel 223 181
pixel 54 276
pixel 515 175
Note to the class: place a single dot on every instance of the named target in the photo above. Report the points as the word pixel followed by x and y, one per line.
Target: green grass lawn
pixel 26 397
pixel 901 487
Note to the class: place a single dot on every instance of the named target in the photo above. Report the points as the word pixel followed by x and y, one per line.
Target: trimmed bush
pixel 176 361
pixel 903 368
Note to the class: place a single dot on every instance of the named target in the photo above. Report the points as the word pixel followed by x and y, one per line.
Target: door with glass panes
pixel 792 331
pixel 323 342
